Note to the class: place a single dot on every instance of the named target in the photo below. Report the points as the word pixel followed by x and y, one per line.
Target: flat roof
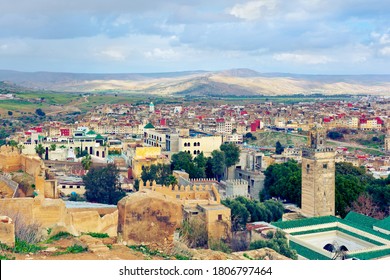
pixel 84 204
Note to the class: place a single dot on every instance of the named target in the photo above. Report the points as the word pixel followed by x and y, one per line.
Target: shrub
pixel 22 246
pixel 29 231
pixel 58 236
pixel 97 234
pixel 6 257
pixel 74 249
pixel 220 245
pixel 194 233
pixel 278 244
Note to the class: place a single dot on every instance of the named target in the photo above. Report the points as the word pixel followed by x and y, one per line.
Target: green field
pixel 269 138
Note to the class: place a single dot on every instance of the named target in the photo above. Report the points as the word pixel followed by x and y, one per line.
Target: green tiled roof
pixel 371 255
pixel 366 229
pixel 149 125
pixel 384 224
pixel 306 222
pixel 99 137
pixel 91 132
pixel 341 230
pixel 360 219
pixel 306 252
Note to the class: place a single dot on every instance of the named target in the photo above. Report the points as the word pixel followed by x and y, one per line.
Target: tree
pixel 3 135
pixel 244 210
pixel 161 173
pixel 102 185
pixel 278 148
pixel 277 243
pixel 350 182
pixel 379 190
pixel 194 167
pixel 284 181
pixel 218 163
pixel 53 147
pixel 40 150
pixel 232 154
pixel 239 214
pixel 86 162
pixel 182 161
pixel 335 135
pixel 39 112
pixel 366 206
pixel 10 113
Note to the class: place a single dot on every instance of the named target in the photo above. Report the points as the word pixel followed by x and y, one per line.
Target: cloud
pixel 269 35
pixel 254 10
pixel 113 54
pixel 385 51
pixel 303 58
pixel 161 54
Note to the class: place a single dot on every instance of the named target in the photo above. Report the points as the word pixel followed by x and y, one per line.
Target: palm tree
pixel 40 150
pixel 86 162
pixel 53 147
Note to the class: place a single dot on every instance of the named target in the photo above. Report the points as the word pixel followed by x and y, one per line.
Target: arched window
pixel 329 247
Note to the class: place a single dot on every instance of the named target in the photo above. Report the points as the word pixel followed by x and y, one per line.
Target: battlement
pixel 182 192
pixel 236 182
pixel 236 187
pixel 204 180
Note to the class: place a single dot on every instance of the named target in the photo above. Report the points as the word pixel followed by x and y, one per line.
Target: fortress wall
pixel 7 231
pixel 50 212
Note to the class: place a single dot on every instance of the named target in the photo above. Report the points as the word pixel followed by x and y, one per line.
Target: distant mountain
pixel 226 82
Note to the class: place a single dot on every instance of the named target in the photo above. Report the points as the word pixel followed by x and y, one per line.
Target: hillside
pixel 239 82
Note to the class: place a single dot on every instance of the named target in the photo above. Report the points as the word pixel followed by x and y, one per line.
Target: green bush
pixel 278 244
pixel 58 236
pixel 219 245
pixel 24 247
pixel 74 249
pixel 97 234
pixel 6 257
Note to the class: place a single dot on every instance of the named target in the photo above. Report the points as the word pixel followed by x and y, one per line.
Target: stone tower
pixel 318 176
pixel 387 141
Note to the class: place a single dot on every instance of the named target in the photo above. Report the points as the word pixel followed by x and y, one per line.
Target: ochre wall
pixel 7 231
pixel 51 212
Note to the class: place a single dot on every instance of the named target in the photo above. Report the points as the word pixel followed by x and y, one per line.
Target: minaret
pixel 318 176
pixel 387 141
pixel 151 107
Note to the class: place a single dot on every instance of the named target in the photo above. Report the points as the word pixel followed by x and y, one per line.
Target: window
pixel 325 166
pixel 308 166
pixel 194 152
pixel 70 187
pixel 219 217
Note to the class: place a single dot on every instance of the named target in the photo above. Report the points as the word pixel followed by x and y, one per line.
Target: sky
pixel 144 36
